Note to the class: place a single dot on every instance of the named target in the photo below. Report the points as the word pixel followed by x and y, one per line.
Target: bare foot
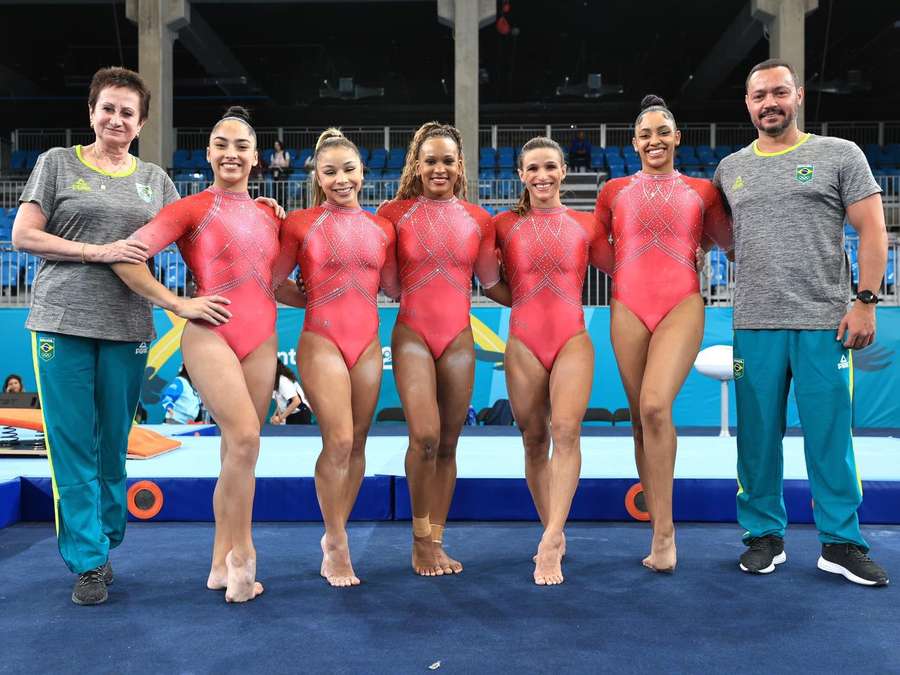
pixel 218 577
pixel 424 561
pixel 662 556
pixel 242 584
pixel 548 566
pixel 444 561
pixel 563 550
pixel 336 566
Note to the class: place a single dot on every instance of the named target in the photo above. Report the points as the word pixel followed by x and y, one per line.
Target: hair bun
pixel 651 100
pixel 329 133
pixel 238 111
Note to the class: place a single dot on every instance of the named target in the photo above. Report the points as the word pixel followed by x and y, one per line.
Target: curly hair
pixel 410 183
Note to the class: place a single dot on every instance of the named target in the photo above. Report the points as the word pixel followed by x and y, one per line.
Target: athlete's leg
pixel 120 370
pixel 218 572
pixel 821 367
pixel 414 374
pixel 673 348
pixel 762 378
pixel 570 391
pixel 365 387
pixel 219 378
pixel 327 383
pixel 528 384
pixel 630 340
pixel 455 378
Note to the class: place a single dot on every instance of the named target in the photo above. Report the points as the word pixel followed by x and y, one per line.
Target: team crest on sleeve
pixel 46 348
pixel 738 368
pixel 145 192
pixel 804 173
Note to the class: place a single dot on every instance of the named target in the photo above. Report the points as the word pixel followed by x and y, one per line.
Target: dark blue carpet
pixel 611 615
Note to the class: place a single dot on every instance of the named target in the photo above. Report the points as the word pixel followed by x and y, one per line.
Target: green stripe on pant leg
pixel 120 372
pixel 761 388
pixel 822 369
pixel 64 368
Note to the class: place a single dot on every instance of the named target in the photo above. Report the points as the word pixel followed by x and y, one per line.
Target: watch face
pixel 867 297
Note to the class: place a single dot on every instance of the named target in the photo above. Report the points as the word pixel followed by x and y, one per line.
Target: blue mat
pixel 611 615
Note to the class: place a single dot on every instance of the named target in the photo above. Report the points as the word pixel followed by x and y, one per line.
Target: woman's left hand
pixel 280 213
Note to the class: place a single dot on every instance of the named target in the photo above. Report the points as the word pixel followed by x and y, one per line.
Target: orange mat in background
pixel 142 443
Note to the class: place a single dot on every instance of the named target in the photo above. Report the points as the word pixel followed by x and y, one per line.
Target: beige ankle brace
pixel 437 534
pixel 421 527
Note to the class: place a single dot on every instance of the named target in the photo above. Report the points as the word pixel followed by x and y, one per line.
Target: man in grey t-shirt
pixel 789 193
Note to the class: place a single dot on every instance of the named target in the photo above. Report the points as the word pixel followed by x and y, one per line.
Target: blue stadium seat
pixel 617 171
pixel 302 155
pixel 722 151
pixel 613 151
pixel 487 157
pixel 364 156
pixel 890 273
pixel 486 173
pixel 396 159
pixel 31 266
pixel 9 269
pixel 718 268
pixel 181 159
pixel 198 159
pixel 266 155
pixel 31 159
pixel 506 157
pixel 378 158
pixel 17 160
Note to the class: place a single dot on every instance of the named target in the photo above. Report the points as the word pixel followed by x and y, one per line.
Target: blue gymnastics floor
pixel 610 616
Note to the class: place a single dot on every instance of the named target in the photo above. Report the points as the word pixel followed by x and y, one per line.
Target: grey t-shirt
pixel 791 271
pixel 84 204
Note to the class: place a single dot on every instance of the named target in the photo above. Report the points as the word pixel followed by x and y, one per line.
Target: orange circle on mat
pixel 141 491
pixel 631 503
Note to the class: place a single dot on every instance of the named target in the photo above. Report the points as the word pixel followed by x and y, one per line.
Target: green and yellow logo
pixel 81 185
pixel 738 183
pixel 145 192
pixel 738 368
pixel 804 173
pixel 46 348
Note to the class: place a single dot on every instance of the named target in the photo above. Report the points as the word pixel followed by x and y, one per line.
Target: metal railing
pixel 495 135
pixel 17 269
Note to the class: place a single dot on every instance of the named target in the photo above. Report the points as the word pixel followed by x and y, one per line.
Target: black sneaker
pixel 850 561
pixel 762 554
pixel 90 588
pixel 106 571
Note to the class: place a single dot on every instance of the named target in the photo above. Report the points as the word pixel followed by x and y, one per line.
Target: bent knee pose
pixel 549 357
pixel 344 254
pixel 658 219
pixel 230 243
pixel 441 240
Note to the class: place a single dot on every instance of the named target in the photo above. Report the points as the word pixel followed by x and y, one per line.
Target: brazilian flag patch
pixel 46 348
pixel 738 367
pixel 804 173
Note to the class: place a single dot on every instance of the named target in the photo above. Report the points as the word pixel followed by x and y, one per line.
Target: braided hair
pixel 410 182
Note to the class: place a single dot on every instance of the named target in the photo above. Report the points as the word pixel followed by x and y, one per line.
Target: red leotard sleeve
pixel 390 272
pixel 716 221
pixel 289 244
pixel 172 222
pixel 487 267
pixel 394 209
pixel 602 254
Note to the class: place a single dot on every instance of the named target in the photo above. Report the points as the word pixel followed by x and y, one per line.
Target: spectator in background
pixel 580 153
pixel 180 400
pixel 291 405
pixel 280 162
pixel 13 383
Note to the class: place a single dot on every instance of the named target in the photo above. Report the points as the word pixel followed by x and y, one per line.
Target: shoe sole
pixel 777 560
pixel 834 568
pixel 88 604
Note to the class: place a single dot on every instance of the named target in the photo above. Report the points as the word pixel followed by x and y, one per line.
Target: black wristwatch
pixel 867 298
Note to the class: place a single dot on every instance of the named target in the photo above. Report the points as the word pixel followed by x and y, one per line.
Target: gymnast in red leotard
pixel 659 221
pixel 549 357
pixel 345 254
pixel 441 240
pixel 230 243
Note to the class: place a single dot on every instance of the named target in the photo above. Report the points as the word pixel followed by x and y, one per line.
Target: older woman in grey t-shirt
pixel 90 333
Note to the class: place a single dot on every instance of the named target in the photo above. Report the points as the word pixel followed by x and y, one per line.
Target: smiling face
pixel 339 174
pixel 115 116
pixel 773 100
pixel 437 166
pixel 543 171
pixel 655 140
pixel 232 154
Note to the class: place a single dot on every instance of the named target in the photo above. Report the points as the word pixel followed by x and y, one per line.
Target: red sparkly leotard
pixel 439 244
pixel 657 223
pixel 545 253
pixel 230 243
pixel 344 254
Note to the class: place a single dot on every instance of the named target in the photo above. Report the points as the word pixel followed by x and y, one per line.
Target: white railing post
pixel 494 136
pixel 548 131
pixel 712 135
pixel 387 138
pixel 881 134
pixel 824 130
pixel 603 135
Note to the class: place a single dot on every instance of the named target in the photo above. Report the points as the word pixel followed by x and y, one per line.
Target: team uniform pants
pixel 89 390
pixel 765 363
